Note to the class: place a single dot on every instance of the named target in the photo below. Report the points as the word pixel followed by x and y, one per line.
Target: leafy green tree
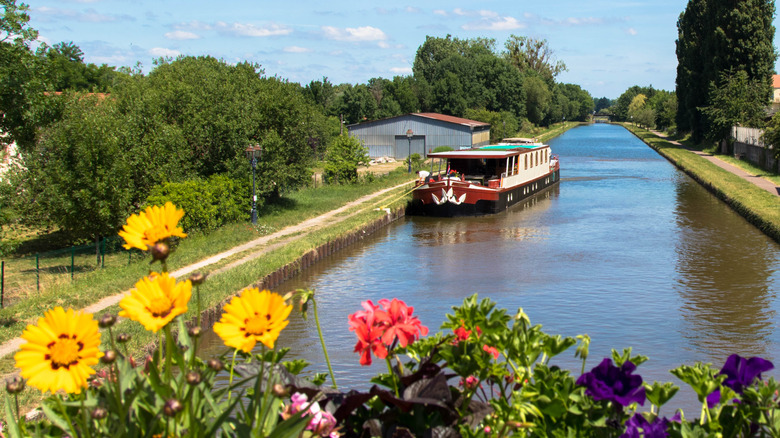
pixel 716 37
pixel 771 135
pixel 664 104
pixel 602 103
pixel 737 101
pixel 344 156
pixel 321 93
pixel 621 107
pixel 82 169
pixel 580 103
pixel 356 103
pixel 502 124
pixel 528 53
pixel 537 99
pixel 637 103
pixel 66 70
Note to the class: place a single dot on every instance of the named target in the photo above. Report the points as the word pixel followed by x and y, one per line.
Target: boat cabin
pixel 495 166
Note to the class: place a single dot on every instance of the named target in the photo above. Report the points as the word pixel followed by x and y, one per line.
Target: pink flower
pixel 491 350
pixel 322 422
pixel 470 382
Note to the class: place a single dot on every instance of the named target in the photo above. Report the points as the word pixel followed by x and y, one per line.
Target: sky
pixel 607 45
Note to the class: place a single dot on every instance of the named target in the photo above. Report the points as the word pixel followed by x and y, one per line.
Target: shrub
pixel 209 203
pixel 344 156
pixel 443 149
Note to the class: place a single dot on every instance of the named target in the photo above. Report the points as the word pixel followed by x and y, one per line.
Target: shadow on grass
pixel 276 205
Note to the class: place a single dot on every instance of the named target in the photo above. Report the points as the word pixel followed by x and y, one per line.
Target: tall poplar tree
pixel 717 39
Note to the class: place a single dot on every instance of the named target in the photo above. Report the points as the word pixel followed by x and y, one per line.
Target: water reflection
pixel 724 278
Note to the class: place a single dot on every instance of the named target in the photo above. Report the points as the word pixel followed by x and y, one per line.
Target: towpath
pixel 280 238
pixel 763 183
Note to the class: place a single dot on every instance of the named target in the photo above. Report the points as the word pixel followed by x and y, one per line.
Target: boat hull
pixel 427 199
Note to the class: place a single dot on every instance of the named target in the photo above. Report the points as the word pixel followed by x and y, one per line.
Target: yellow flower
pixel 156 300
pixel 60 351
pixel 153 225
pixel 253 316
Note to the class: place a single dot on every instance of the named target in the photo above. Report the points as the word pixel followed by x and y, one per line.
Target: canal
pixel 627 249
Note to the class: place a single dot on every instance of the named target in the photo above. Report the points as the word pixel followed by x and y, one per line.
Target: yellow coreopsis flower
pixel 60 351
pixel 156 300
pixel 251 317
pixel 152 225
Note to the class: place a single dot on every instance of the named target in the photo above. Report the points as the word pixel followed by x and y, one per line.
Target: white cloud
pixel 193 25
pixel 296 49
pixel 354 34
pixel 181 35
pixel 494 23
pixel 631 31
pixel 401 70
pixel 250 30
pixel 575 21
pixel 163 52
pixel 441 12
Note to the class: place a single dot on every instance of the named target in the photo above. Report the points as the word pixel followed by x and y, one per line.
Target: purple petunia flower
pixel 618 385
pixel 638 426
pixel 741 372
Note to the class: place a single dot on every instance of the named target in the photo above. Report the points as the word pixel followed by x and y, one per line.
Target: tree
pixel 537 99
pixel 502 124
pixel 82 169
pixel 715 37
pixel 737 101
pixel 527 53
pixel 21 83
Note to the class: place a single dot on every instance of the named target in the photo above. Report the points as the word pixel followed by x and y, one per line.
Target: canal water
pixel 627 249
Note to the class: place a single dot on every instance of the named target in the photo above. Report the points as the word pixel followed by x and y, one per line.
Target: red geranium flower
pixel 461 334
pixel 491 350
pixel 399 323
pixel 369 333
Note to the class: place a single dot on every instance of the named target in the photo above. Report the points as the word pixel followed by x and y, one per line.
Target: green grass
pixel 757 205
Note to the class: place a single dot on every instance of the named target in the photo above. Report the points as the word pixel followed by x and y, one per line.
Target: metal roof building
pixel 388 137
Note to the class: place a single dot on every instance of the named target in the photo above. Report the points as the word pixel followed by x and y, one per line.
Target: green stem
pixel 85 417
pixel 322 342
pixel 66 417
pixel 232 367
pixel 197 291
pixel 392 374
pixel 168 352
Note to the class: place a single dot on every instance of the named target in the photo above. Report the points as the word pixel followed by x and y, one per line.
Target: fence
pixel 751 136
pixel 24 276
pixel 749 146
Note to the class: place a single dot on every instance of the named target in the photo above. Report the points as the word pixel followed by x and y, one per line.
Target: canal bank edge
pixel 295 267
pixel 766 222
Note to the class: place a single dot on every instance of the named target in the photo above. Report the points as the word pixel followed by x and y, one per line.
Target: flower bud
pixel 109 356
pixel 14 385
pixel 197 278
pixel 193 377
pixel 99 413
pixel 123 337
pixel 194 332
pixel 172 407
pixel 107 320
pixel 215 364
pixel 280 391
pixel 160 251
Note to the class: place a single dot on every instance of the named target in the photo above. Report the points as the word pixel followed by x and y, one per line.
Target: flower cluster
pixel 382 327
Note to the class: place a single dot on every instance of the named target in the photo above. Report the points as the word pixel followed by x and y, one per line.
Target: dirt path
pixel 286 235
pixel 763 183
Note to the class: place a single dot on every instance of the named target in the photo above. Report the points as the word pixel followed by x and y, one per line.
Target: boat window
pixel 526 161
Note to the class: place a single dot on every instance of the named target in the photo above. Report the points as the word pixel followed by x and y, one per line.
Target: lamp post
pixel 253 153
pixel 409 134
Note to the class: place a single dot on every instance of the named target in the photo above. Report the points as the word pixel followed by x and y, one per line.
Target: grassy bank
pixel 758 206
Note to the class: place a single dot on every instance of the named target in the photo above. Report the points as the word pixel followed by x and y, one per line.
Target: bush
pixel 344 156
pixel 209 203
pixel 417 161
pixel 443 149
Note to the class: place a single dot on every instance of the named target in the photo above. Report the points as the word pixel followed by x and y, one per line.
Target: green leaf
pixel 12 425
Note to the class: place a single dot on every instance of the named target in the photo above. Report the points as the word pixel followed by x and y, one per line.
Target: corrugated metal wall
pixel 380 136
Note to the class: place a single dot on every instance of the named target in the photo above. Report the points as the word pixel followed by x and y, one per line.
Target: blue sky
pixel 607 45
